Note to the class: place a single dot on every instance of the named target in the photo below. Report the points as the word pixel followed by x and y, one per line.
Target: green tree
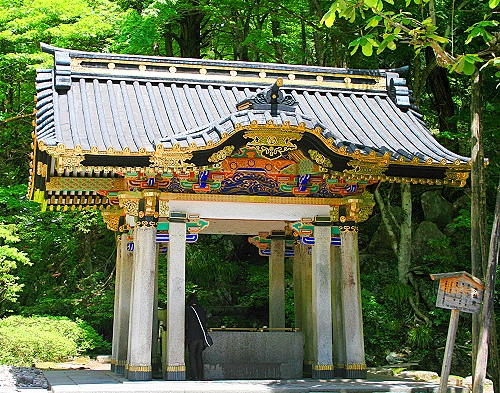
pixel 10 259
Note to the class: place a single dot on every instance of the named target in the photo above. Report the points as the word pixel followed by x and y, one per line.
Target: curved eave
pixel 344 163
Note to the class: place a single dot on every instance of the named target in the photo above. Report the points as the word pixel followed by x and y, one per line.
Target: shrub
pixel 27 340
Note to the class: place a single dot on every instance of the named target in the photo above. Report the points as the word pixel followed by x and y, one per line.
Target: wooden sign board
pixel 459 291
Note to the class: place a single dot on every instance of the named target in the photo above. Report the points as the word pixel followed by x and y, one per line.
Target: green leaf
pixel 469 67
pixel 371 3
pixel 367 49
pixel 493 3
pixel 329 18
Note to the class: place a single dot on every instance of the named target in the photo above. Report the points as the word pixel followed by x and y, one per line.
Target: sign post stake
pixel 448 352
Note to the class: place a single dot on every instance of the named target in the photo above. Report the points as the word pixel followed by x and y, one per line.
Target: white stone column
pixel 355 364
pixel 277 284
pixel 116 315
pixel 297 285
pixel 176 287
pixel 155 353
pixel 124 277
pixel 307 319
pixel 337 314
pixel 322 303
pixel 141 308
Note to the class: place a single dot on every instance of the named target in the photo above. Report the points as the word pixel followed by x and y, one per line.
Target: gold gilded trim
pixel 175 369
pixel 174 159
pixel 85 184
pixel 41 169
pixel 251 199
pixel 139 369
pixel 271 142
pixel 112 219
pixel 322 367
pixel 320 159
pixel 221 154
pixel 358 367
pixel 130 203
pixel 348 228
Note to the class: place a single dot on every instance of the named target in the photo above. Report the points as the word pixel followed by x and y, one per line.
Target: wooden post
pixel 448 353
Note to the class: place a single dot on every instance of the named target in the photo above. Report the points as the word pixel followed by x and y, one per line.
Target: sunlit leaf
pixel 329 18
pixel 493 3
pixel 367 49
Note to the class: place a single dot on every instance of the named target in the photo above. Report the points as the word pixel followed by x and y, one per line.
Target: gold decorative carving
pixel 367 202
pixel 41 169
pixel 129 203
pixel 348 228
pixel 221 154
pixel 146 224
pixel 163 208
pixel 272 143
pixel 85 184
pixel 112 220
pixel 172 159
pixel 334 214
pixel 366 168
pixel 456 178
pixel 320 159
pixel 69 162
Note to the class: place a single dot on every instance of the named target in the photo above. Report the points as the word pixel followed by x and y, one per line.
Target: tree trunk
pixel 404 254
pixel 486 314
pixel 478 201
pixel 439 85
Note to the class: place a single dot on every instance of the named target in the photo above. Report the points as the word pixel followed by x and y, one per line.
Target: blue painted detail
pixel 202 178
pixel 307 240
pixel 310 240
pixel 130 246
pixel 302 182
pixel 351 188
pixel 151 181
pixel 162 238
pixel 289 253
pixel 191 237
pixel 165 237
pixel 335 241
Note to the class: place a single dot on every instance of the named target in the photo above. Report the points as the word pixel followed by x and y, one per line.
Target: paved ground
pixel 102 381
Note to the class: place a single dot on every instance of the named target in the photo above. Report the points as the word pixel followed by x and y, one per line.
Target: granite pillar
pixel 322 304
pixel 175 369
pixel 355 365
pixel 277 284
pixel 337 313
pixel 141 309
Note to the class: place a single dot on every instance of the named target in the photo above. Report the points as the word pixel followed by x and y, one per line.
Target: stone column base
pixel 120 366
pixel 354 371
pixel 139 373
pixel 339 371
pixel 322 371
pixel 175 373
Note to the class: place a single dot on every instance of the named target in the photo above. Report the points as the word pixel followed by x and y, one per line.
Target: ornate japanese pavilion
pixel 170 148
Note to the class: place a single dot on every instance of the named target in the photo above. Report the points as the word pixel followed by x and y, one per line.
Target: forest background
pixel 62 264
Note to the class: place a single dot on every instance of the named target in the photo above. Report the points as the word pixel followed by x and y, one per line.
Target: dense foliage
pixel 62 264
pixel 25 341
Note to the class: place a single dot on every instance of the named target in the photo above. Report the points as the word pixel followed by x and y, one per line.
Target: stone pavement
pixel 92 381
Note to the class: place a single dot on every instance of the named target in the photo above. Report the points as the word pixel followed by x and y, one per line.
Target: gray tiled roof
pixel 105 101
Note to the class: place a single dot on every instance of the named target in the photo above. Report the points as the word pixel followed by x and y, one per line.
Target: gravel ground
pixel 22 377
